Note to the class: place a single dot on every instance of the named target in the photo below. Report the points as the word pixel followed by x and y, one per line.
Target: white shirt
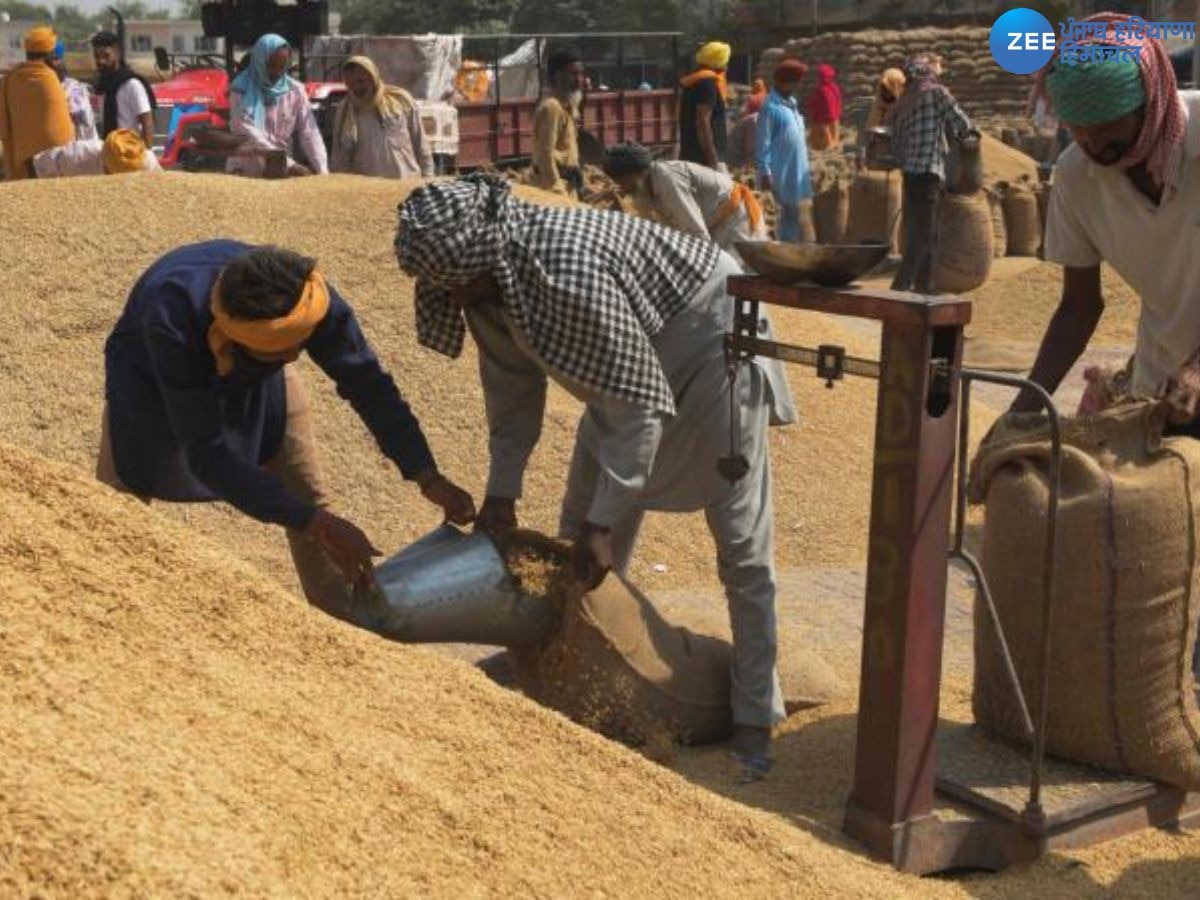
pixel 132 103
pixel 79 158
pixel 1096 214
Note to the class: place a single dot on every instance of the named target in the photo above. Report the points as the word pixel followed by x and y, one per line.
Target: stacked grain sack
pixel 871 200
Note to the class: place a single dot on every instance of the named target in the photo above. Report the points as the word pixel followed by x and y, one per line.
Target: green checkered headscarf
pixel 1093 93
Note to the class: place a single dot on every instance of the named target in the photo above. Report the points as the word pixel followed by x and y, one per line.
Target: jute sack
pixel 963 257
pixel 1127 592
pixel 1021 220
pixel 874 204
pixel 831 212
pixel 618 667
pixel 999 233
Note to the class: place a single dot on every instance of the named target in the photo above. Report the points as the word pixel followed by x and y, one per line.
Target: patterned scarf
pixel 587 289
pixel 1161 142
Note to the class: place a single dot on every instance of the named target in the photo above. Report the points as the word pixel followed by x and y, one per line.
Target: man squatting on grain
pixel 630 317
pixel 203 404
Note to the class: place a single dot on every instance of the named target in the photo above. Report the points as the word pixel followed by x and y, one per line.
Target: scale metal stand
pixel 1000 805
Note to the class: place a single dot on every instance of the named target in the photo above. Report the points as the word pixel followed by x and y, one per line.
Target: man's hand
pixel 347 546
pixel 592 555
pixel 298 170
pixel 439 490
pixel 498 515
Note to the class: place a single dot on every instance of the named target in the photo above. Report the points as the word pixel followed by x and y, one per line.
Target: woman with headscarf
pixel 378 127
pixel 631 318
pixel 824 107
pixel 702 125
pixel 270 109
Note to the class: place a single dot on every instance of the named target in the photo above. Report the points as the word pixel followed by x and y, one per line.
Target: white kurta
pixel 80 158
pixel 690 197
pixel 629 459
pixel 391 147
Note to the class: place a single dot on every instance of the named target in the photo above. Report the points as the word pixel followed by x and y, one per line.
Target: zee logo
pixel 1022 41
pixel 1031 40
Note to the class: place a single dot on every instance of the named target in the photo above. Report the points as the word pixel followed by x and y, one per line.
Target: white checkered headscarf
pixel 588 289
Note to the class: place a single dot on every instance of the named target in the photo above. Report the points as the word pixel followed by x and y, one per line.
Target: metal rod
pixel 1034 813
pixel 853 365
pixel 964 441
pixel 972 563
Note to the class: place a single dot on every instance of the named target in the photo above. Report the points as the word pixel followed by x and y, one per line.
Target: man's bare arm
pixel 1067 337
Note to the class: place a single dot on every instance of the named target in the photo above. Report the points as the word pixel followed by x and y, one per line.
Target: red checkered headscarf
pixel 1161 141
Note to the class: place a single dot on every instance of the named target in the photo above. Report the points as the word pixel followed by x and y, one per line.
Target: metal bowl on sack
pixel 453 587
pixel 829 265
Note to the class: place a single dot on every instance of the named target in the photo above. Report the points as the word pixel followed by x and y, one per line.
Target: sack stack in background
pixel 983 88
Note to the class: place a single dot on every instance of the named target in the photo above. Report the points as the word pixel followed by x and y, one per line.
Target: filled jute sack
pixel 1021 220
pixel 999 233
pixel 831 212
pixel 618 667
pixel 874 208
pixel 963 257
pixel 1127 592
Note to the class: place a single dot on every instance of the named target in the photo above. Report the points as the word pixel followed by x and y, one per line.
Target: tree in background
pixel 20 11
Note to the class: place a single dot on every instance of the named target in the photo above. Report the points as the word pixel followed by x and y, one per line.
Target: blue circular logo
pixel 1022 41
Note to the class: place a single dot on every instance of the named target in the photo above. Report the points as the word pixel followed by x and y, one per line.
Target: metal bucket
pixel 453 587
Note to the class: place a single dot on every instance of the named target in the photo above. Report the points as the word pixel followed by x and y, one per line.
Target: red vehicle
pixel 496 131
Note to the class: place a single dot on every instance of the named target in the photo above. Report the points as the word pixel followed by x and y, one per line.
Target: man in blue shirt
pixel 781 154
pixel 201 403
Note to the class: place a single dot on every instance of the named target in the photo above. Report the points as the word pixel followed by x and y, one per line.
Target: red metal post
pixel 911 498
pixel 891 803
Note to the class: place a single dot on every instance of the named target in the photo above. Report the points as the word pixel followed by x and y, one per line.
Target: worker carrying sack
pixel 1126 596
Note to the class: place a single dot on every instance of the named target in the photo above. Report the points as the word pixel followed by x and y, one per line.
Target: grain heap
pixel 175 724
pixel 85 241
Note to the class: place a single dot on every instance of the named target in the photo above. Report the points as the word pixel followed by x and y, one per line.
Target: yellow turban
pixel 714 55
pixel 266 335
pixel 124 151
pixel 40 40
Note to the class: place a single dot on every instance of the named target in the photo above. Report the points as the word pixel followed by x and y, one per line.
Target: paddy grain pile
pixel 172 723
pixel 74 247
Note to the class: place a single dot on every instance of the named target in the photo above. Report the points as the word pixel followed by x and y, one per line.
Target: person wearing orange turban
pixel 202 404
pixel 33 108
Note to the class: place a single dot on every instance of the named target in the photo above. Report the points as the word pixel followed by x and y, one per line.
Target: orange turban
pixel 266 335
pixel 40 40
pixel 124 151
